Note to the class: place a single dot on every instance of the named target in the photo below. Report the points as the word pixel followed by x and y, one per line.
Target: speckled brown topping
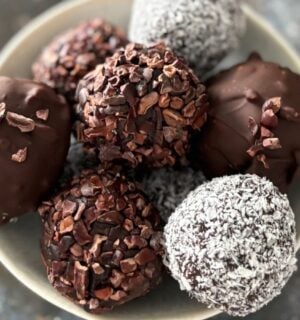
pixel 73 54
pixel 101 241
pixel 140 106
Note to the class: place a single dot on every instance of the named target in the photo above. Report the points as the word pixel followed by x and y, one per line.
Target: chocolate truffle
pixel 35 127
pixel 71 55
pixel 141 106
pixel 232 243
pixel 168 187
pixel 201 31
pixel 101 241
pixel 253 124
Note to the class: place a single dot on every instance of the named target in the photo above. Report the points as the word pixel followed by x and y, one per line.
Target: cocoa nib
pixel 254 150
pixel 20 156
pixel 2 110
pixel 265 138
pixel 66 225
pixel 81 280
pixel 271 143
pixel 147 102
pixel 263 159
pixel 273 104
pixel 173 118
pixel 269 119
pixel 24 124
pixel 104 294
pixel 42 114
pixel 253 126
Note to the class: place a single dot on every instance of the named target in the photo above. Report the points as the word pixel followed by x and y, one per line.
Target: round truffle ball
pixel 253 123
pixel 202 31
pixel 168 187
pixel 73 54
pixel 35 128
pixel 101 241
pixel 141 107
pixel 231 243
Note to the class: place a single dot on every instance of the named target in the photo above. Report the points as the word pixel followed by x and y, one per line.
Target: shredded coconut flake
pixel 231 243
pixel 168 187
pixel 202 31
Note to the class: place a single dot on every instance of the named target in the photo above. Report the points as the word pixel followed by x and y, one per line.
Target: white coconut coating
pixel 231 243
pixel 202 31
pixel 168 187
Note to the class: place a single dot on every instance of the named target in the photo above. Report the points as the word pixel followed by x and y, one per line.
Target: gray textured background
pixel 18 303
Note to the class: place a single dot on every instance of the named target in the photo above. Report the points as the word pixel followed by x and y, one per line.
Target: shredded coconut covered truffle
pixel 202 31
pixel 231 243
pixel 168 187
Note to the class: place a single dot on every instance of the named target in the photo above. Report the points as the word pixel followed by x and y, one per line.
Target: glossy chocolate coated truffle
pixel 35 126
pixel 232 243
pixel 141 107
pixel 101 241
pixel 71 55
pixel 253 124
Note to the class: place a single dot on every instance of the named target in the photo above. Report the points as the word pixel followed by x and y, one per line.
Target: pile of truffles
pixel 130 200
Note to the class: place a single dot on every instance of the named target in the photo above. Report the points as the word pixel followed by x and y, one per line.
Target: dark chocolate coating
pixel 101 241
pixel 236 95
pixel 30 161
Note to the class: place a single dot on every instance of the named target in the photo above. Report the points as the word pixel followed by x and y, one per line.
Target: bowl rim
pixel 65 6
pixel 58 10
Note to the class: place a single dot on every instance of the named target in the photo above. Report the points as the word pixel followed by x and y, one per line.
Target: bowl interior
pixel 19 242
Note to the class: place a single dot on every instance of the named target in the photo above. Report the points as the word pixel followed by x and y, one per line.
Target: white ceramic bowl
pixel 19 242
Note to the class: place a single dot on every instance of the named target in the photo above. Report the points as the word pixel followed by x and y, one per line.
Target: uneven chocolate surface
pixel 254 123
pixel 141 106
pixel 72 55
pixel 35 127
pixel 101 241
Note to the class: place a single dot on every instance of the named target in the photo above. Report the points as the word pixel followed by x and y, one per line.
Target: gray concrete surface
pixel 17 302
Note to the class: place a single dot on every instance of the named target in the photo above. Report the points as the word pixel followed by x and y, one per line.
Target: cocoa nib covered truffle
pixel 141 106
pixel 101 241
pixel 72 55
pixel 253 124
pixel 232 243
pixel 35 128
